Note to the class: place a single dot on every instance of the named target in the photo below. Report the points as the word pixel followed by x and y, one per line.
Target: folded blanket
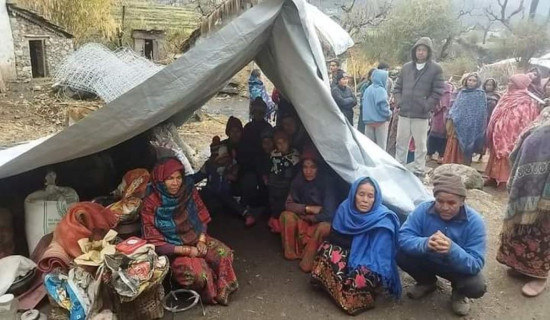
pixel 54 258
pixel 81 221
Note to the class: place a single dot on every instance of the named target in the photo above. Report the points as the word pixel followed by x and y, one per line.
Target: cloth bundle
pixel 131 190
pixel 80 222
pixel 13 267
pixel 94 252
pixel 133 274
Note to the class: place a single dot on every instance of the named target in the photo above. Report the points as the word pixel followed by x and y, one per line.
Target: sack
pixel 45 208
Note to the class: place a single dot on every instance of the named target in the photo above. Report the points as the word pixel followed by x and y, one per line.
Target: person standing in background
pixel 419 88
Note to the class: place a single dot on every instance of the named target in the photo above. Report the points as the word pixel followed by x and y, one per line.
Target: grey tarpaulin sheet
pixel 279 35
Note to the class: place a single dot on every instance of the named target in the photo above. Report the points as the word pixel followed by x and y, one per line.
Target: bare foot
pixel 489 182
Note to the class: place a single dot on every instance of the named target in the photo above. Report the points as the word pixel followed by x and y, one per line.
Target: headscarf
pixel 310 153
pixel 364 227
pixel 233 122
pixel 536 84
pixel 300 189
pixel 513 113
pixel 469 115
pixel 178 219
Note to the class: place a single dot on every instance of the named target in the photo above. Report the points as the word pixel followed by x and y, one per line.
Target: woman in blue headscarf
pixel 358 261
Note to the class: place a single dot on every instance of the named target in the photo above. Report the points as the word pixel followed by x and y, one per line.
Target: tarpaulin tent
pixel 281 37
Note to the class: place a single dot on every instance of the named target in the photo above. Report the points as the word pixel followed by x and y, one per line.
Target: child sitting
pixel 284 162
pixel 220 171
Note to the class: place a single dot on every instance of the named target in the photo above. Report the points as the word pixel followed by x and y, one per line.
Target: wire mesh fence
pixel 108 74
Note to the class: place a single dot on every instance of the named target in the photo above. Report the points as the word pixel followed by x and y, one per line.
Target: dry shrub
pixel 458 66
pixel 500 72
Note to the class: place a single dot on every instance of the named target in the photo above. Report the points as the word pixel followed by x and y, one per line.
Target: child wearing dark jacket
pixel 220 171
pixel 284 161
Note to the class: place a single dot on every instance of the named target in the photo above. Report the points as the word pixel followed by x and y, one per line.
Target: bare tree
pixel 358 16
pixel 501 16
pixel 486 29
pixel 444 53
pixel 533 9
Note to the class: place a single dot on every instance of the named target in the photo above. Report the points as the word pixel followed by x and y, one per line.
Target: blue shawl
pixel 469 115
pixel 365 249
pixel 257 89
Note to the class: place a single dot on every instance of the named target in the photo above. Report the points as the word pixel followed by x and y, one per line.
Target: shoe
pixel 421 290
pixel 274 225
pixel 460 304
pixel 249 221
pixel 534 287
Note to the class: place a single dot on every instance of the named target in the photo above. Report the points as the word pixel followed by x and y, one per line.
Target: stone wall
pixel 7 58
pixel 57 46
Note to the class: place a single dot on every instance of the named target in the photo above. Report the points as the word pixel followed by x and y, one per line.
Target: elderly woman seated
pixel 174 219
pixel 358 260
pixel 310 206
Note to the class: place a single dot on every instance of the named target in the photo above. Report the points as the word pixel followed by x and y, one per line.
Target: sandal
pixel 534 287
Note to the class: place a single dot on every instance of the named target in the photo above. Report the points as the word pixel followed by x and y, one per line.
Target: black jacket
pixel 344 97
pixel 418 91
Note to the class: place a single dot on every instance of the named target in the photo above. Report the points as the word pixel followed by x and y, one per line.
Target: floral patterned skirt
pixel 212 275
pixel 526 249
pixel 353 290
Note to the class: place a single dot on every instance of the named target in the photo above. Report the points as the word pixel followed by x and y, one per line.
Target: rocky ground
pixel 270 287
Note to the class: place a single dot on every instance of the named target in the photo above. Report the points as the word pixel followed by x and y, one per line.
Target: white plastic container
pixel 8 307
pixel 33 315
pixel 45 208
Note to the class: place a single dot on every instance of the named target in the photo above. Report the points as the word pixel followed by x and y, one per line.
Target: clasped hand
pixel 439 243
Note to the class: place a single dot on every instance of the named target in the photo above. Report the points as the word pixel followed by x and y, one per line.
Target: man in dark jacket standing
pixel 335 68
pixel 418 89
pixel 344 96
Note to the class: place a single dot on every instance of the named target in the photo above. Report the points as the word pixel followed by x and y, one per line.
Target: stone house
pixel 149 43
pixel 39 46
pixel 154 28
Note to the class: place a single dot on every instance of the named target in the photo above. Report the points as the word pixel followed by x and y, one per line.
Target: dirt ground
pixel 270 287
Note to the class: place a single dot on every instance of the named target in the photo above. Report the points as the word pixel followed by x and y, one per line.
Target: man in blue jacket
pixel 445 238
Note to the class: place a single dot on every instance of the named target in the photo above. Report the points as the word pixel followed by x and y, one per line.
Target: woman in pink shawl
pixel 437 139
pixel 513 113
